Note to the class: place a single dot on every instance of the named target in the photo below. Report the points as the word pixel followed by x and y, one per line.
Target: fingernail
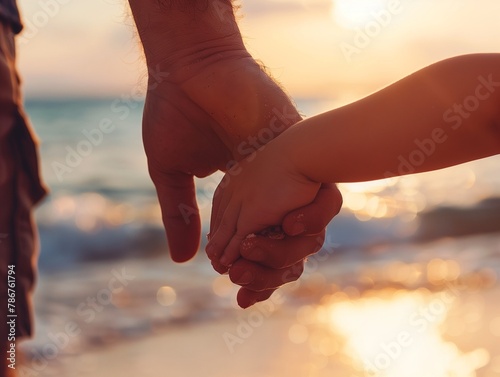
pixel 210 250
pixel 297 228
pixel 220 269
pixel 224 260
pixel 244 279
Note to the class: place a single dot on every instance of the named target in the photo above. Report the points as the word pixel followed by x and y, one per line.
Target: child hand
pixel 254 195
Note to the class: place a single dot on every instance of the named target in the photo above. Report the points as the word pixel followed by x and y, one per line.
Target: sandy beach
pixel 389 310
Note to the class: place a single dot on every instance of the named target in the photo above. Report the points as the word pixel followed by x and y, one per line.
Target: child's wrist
pixel 291 147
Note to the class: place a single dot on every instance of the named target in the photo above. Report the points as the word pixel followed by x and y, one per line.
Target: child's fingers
pixel 213 214
pixel 224 233
pixel 232 251
pixel 247 297
pixel 219 267
pixel 314 217
pixel 260 278
pixel 219 209
pixel 283 253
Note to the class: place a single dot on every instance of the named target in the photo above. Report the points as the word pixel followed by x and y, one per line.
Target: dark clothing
pixel 20 189
pixel 10 14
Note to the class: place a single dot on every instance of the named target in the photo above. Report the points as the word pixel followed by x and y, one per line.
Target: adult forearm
pixel 174 30
pixel 441 116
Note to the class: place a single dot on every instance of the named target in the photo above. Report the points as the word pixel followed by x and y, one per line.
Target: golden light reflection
pixel 88 213
pixel 119 214
pixel 86 223
pixel 91 212
pixel 298 334
pixel 439 270
pixel 383 199
pixel 355 201
pixel 495 326
pixel 223 287
pixel 396 333
pixel 371 186
pixel 166 296
pixel 64 207
pixel 495 364
pixel 403 273
pixel 305 315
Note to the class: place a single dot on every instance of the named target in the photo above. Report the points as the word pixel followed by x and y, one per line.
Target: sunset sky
pixel 88 49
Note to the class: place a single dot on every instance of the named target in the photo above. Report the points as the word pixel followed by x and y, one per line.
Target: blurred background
pixel 405 285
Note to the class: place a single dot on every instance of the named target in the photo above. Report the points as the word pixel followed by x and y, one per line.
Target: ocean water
pixel 102 221
pixel 100 192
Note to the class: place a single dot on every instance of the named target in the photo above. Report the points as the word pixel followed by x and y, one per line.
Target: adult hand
pixel 210 104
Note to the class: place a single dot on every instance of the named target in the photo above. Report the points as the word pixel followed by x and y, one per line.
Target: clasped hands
pixel 205 115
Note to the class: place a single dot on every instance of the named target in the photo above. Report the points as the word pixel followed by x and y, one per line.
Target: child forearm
pixel 443 115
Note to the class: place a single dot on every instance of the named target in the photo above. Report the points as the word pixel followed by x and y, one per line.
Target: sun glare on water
pixel 400 336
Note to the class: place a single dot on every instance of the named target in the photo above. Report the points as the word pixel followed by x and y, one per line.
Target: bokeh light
pixel 166 296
